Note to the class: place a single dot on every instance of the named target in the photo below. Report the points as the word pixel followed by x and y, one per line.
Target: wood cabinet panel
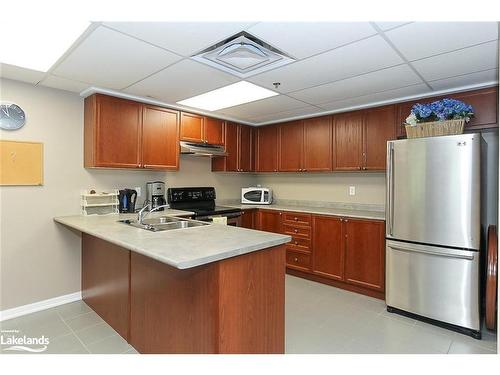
pixel 269 221
pixel 348 141
pixel 379 127
pixel 245 148
pixel 231 147
pixel 300 244
pixel 248 219
pixel 117 132
pixel 105 281
pixel 297 218
pixel 160 138
pixel 191 127
pixel 328 247
pixel 317 144
pixel 214 131
pixel 298 260
pixel 296 231
pixel 291 139
pixel 266 158
pixel 365 253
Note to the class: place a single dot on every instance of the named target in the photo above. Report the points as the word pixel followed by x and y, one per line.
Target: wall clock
pixel 12 117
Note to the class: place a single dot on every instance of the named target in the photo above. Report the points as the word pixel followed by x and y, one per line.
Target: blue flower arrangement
pixel 440 110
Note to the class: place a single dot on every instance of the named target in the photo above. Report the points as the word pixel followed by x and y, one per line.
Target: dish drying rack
pixel 99 203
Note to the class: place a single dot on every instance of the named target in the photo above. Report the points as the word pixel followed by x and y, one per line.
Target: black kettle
pixel 126 199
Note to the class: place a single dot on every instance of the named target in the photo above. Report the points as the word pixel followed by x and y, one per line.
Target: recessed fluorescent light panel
pixel 228 96
pixel 37 45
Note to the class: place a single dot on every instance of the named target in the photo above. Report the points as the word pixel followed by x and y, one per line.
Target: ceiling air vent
pixel 243 55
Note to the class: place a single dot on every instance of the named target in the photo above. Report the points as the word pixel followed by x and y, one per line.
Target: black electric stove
pixel 201 201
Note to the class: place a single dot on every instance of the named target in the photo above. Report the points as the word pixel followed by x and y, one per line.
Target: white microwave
pixel 256 195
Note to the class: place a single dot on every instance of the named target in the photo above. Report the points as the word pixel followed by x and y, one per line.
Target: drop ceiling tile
pixel 64 84
pixel 472 59
pixel 273 104
pixel 304 39
pixel 356 58
pixel 423 39
pixel 390 25
pixel 180 81
pixel 478 78
pixel 184 38
pixel 382 80
pixel 20 74
pixel 110 59
pixel 366 100
pixel 304 111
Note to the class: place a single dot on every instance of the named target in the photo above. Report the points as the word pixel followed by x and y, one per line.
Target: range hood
pixel 202 149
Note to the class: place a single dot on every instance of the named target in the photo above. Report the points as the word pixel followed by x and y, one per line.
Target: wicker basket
pixel 435 128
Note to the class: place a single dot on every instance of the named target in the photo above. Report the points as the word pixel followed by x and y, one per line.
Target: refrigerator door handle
pixel 390 188
pixel 459 254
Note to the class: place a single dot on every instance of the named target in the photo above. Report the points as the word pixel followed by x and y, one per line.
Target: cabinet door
pixel 214 131
pixel 267 149
pixel 160 138
pixel 231 160
pixel 379 127
pixel 118 133
pixel 318 144
pixel 364 259
pixel 269 221
pixel 291 141
pixel 348 141
pixel 191 127
pixel 328 247
pixel 245 148
pixel 248 219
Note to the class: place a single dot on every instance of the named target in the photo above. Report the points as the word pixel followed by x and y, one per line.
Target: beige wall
pixel 330 187
pixel 40 259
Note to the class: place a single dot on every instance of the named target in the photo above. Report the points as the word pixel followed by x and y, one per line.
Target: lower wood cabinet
pixel 269 221
pixel 328 245
pixel 248 218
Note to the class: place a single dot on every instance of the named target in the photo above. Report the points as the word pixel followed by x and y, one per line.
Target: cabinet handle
pixel 364 168
pixel 276 170
pixel 295 218
pixel 346 220
pixel 295 230
pixel 359 168
pixel 304 170
pixel 295 259
pixel 296 243
pixel 280 213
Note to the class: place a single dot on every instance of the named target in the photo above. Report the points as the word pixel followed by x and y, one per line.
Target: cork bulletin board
pixel 21 163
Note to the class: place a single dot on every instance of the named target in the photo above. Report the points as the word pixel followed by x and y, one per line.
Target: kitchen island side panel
pixel 105 282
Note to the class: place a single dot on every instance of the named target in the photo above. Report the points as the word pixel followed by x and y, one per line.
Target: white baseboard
pixel 39 306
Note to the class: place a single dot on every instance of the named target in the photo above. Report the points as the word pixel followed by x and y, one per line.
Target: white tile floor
pixel 319 319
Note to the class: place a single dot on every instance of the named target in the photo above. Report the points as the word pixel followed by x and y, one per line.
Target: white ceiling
pixel 338 65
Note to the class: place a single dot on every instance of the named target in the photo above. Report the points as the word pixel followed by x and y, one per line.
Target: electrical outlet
pixel 138 189
pixel 352 190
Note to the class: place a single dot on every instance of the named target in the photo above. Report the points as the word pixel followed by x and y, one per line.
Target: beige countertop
pixel 361 212
pixel 181 248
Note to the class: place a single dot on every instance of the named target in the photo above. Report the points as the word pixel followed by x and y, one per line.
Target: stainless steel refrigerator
pixel 433 230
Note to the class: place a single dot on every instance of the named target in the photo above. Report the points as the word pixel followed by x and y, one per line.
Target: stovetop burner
pixel 200 200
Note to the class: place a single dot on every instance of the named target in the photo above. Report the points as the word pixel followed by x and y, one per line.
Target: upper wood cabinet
pixel 112 132
pixel 379 127
pixel 196 128
pixel 484 102
pixel 348 147
pixel 365 253
pixel 239 147
pixel 120 133
pixel 160 138
pixel 305 145
pixel 266 153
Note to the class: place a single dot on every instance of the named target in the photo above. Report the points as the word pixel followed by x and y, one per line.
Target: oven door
pixel 233 219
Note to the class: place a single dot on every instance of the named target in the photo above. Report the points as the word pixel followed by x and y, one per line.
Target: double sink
pixel 162 223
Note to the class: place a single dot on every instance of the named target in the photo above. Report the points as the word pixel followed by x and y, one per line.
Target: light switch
pixel 352 190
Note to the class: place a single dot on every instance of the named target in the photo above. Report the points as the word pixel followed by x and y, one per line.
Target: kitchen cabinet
pixel 364 253
pixel 112 132
pixel 121 133
pixel 328 245
pixel 196 128
pixel 248 218
pixel 484 102
pixel 266 153
pixel 269 220
pixel 379 127
pixel 160 138
pixel 306 145
pixel 239 147
pixel 348 137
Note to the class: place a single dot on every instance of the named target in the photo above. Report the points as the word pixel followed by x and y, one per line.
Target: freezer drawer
pixel 435 282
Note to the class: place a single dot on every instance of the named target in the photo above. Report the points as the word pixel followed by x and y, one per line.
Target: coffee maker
pixel 155 194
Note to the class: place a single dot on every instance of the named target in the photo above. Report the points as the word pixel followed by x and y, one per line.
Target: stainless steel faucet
pixel 141 215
